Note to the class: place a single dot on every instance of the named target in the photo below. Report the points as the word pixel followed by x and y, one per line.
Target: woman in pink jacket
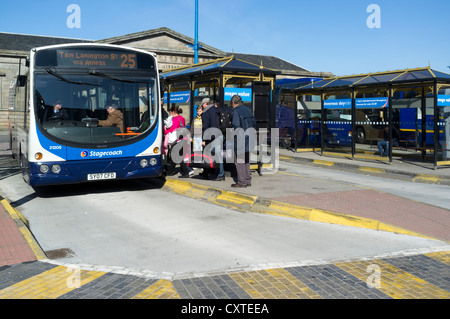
pixel 177 122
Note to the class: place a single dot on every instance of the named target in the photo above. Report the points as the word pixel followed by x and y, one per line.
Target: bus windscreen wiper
pixel 103 75
pixel 56 75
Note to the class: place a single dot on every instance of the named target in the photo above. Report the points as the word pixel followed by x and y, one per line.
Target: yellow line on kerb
pixel 372 169
pixel 23 225
pixel 316 215
pixel 284 157
pixel 326 163
pixel 424 178
pixel 254 204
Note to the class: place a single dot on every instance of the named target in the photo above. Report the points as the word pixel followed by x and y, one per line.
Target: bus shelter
pixel 219 80
pixel 410 108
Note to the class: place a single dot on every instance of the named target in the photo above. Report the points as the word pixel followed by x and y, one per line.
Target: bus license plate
pixel 100 176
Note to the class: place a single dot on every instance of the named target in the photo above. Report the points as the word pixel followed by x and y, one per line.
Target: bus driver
pixel 57 112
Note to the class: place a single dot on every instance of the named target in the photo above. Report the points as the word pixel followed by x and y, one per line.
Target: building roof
pixel 25 42
pixel 127 38
pixel 271 62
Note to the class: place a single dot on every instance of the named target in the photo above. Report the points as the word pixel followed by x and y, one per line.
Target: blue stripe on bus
pixel 72 153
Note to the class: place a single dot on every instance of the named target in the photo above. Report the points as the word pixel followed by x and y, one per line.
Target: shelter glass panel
pixel 181 99
pixel 338 125
pixel 413 116
pixel 309 122
pixel 371 119
pixel 443 103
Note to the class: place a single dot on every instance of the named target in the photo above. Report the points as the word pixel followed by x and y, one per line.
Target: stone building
pixel 172 48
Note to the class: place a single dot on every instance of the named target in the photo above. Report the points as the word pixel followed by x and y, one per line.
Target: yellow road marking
pixel 443 257
pixel 393 281
pixel 162 289
pixel 50 284
pixel 273 284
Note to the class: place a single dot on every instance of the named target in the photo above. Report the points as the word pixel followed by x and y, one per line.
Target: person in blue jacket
pixel 242 121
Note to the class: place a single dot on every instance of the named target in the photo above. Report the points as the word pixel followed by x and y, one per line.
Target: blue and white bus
pixel 82 145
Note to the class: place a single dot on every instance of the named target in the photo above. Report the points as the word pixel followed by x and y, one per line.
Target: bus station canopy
pixel 429 80
pixel 221 76
pixel 227 65
pixel 407 77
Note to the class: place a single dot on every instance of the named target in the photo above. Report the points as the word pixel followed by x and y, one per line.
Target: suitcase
pixel 199 160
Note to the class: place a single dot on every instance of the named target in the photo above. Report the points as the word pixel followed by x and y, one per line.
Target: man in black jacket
pixel 210 119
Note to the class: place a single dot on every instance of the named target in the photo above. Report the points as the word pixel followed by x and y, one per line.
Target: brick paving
pixel 110 286
pixel 408 277
pixel 13 246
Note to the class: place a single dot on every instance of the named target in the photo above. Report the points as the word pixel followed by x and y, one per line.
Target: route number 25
pixel 128 61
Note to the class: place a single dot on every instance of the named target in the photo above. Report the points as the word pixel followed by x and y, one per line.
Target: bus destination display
pixel 102 59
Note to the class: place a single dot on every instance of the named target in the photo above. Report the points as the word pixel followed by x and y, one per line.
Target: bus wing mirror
pixel 21 80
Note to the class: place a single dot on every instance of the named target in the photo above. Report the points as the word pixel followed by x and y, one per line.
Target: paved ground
pixel 26 272
pixel 403 277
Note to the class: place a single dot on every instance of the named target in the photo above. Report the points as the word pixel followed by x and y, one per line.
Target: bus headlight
pixel 43 169
pixel 144 162
pixel 56 169
pixel 153 161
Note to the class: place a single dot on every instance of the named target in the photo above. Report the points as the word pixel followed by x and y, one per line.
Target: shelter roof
pixel 227 65
pixel 399 77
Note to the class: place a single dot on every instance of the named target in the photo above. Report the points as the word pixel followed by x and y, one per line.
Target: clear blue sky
pixel 325 35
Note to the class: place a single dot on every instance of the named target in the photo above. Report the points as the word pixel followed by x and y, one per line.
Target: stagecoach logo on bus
pixel 100 154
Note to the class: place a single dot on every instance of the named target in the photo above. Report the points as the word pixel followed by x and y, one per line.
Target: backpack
pixel 250 122
pixel 224 120
pixel 247 119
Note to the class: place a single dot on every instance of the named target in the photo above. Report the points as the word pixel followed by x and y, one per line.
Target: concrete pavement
pixel 27 272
